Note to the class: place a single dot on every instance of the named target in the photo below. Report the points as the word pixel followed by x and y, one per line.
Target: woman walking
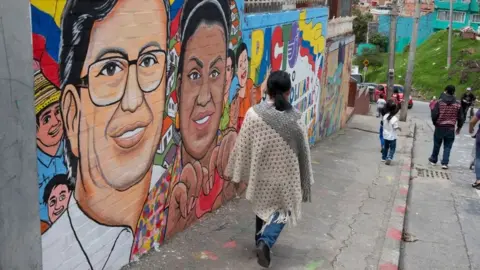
pixel 272 153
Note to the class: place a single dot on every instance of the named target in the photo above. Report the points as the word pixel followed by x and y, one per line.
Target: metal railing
pixel 255 6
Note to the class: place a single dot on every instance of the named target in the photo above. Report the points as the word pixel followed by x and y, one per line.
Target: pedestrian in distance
pixel 432 103
pixel 380 104
pixel 468 98
pixel 272 153
pixel 446 114
pixel 390 128
pixel 476 163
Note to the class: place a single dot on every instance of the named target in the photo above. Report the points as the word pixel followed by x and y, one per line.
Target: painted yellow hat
pixel 46 93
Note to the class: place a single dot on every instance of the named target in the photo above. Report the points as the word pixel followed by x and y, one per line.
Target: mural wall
pixel 334 99
pixel 138 104
pixel 294 42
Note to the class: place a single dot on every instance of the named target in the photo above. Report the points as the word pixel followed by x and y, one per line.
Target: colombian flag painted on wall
pixel 46 17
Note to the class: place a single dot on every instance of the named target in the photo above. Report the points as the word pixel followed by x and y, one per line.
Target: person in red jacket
pixel 446 114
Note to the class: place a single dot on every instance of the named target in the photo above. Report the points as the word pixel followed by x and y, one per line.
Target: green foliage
pixel 380 40
pixel 430 75
pixel 360 25
pixel 375 59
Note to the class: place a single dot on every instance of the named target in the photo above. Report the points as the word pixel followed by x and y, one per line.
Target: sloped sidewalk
pixel 345 227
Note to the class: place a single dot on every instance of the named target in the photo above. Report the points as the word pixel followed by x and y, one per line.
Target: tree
pixel 360 25
pixel 375 59
pixel 380 40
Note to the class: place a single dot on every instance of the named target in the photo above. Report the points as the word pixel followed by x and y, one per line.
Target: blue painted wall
pixel 294 42
pixel 404 29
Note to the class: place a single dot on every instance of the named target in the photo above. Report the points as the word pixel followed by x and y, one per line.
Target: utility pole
pixel 393 40
pixel 411 62
pixel 450 31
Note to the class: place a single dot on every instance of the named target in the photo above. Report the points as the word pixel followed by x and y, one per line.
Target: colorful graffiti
pixel 333 102
pixel 138 105
pixel 294 42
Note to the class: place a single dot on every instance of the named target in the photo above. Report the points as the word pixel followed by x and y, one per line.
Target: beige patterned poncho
pixel 273 155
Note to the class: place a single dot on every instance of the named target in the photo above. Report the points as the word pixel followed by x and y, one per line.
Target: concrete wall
pixel 19 231
pixel 334 97
pixel 128 159
pixel 404 29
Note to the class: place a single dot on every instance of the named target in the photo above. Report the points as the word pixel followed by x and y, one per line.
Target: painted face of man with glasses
pixel 113 110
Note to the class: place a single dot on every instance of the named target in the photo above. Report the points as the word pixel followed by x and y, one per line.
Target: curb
pixel 390 256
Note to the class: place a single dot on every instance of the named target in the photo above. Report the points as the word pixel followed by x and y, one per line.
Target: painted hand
pixel 226 147
pixel 184 197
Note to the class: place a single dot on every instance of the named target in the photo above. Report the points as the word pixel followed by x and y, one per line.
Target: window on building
pixel 475 18
pixel 443 15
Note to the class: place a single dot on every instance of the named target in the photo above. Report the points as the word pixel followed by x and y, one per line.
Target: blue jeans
pixel 382 141
pixel 389 149
pixel 271 232
pixel 445 136
pixel 477 158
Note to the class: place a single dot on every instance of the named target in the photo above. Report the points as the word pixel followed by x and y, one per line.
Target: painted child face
pixel 49 130
pixel 202 88
pixel 58 202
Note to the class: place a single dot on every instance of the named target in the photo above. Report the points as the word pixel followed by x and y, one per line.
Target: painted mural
pixel 138 104
pixel 294 42
pixel 334 100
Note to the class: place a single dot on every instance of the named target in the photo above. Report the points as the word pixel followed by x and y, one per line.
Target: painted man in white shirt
pixel 113 96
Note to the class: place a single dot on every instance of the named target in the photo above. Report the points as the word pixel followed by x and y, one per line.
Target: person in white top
pixel 390 127
pixel 380 105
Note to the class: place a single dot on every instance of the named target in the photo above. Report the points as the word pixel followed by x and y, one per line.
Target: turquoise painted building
pixel 465 13
pixel 405 27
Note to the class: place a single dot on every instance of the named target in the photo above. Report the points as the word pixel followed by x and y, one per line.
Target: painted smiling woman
pixel 197 173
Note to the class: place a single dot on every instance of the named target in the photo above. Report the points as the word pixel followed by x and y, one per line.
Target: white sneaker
pixel 383 160
pixel 445 167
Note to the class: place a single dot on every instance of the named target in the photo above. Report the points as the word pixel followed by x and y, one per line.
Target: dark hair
pixel 450 89
pixel 231 55
pixel 77 23
pixel 391 109
pixel 277 85
pixel 241 48
pixel 57 180
pixel 382 95
pixel 196 12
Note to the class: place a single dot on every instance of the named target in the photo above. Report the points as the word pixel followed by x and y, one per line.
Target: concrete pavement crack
pixel 354 220
pixel 461 230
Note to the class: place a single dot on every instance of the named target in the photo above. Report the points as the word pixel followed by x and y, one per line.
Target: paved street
pixel 344 227
pixel 443 212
